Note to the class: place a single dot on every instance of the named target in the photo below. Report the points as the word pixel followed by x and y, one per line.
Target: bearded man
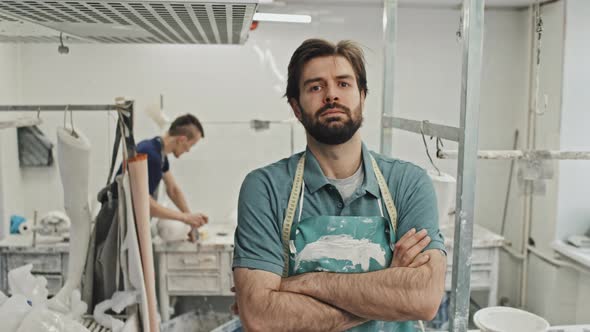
pixel 336 237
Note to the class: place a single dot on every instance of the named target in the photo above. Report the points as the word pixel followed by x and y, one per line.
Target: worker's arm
pixel 159 211
pixel 393 294
pixel 263 307
pixel 408 254
pixel 173 191
pixel 398 293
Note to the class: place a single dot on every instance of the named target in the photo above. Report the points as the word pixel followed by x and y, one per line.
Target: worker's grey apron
pixel 343 244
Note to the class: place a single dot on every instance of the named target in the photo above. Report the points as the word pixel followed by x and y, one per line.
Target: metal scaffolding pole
pixel 466 135
pixel 422 127
pixel 389 34
pixel 473 25
pixel 521 154
pixel 57 108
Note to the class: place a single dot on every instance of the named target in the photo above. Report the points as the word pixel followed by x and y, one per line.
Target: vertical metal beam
pixel 473 26
pixel 389 36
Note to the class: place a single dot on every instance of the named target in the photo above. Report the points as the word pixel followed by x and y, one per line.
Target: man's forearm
pixel 284 311
pixel 392 294
pixel 177 197
pixel 162 212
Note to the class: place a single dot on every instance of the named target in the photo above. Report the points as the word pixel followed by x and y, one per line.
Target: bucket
pixel 507 319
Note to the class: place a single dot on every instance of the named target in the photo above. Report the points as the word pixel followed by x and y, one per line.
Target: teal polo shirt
pixel 265 193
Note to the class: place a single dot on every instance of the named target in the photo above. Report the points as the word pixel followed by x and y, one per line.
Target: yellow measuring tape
pixel 391 210
pixel 291 208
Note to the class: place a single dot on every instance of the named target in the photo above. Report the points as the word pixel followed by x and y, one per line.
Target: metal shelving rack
pixel 466 135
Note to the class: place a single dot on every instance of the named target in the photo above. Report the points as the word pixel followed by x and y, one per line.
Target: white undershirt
pixel 348 186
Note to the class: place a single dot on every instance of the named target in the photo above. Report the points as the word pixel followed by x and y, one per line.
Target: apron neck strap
pixel 290 213
pixel 385 194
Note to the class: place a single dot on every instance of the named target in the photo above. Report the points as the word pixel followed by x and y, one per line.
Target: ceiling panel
pixel 137 21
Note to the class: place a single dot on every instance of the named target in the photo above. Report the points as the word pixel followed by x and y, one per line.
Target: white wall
pixel 573 210
pixel 230 83
pixel 428 87
pixel 548 125
pixel 560 294
pixel 10 187
pixel 213 82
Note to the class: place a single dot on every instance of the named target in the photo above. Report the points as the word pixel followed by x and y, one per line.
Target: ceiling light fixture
pixel 285 18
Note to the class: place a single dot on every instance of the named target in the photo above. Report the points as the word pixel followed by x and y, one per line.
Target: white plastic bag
pixel 26 310
pixel 117 303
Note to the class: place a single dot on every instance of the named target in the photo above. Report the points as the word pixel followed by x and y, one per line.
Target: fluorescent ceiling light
pixel 282 18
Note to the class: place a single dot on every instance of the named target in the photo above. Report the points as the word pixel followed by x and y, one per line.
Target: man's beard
pixel 323 132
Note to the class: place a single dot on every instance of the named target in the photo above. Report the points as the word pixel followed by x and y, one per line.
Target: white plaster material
pixel 172 230
pixel 341 247
pixel 52 227
pixel 158 115
pixel 73 152
pixel 445 188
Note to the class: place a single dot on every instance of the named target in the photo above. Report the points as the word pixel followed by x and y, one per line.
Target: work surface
pixel 580 255
pixel 482 237
pixel 218 236
pixel 202 268
pixel 43 244
pixel 49 259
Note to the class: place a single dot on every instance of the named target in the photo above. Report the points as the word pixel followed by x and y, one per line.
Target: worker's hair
pixel 314 48
pixel 181 126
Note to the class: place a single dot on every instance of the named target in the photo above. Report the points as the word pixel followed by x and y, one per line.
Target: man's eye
pixel 315 88
pixel 344 84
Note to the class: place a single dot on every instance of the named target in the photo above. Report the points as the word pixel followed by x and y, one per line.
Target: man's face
pixel 330 105
pixel 184 144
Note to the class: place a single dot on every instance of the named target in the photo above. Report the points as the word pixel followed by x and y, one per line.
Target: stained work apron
pixel 342 244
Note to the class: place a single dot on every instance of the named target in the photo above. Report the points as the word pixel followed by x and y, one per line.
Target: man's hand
pixel 195 220
pixel 191 235
pixel 408 249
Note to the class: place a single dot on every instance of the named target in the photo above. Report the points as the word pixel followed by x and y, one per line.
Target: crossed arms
pixel 411 289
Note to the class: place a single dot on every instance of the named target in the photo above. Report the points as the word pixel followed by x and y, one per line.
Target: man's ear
pixel 181 139
pixel 295 107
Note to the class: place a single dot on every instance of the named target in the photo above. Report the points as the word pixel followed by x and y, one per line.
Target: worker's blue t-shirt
pixel 157 162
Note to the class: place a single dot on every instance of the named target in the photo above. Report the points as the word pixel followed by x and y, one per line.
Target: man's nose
pixel 331 95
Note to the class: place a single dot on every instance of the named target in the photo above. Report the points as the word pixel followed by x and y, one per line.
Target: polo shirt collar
pixel 315 179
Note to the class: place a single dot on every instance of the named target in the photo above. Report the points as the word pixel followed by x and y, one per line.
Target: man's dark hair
pixel 181 126
pixel 314 48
